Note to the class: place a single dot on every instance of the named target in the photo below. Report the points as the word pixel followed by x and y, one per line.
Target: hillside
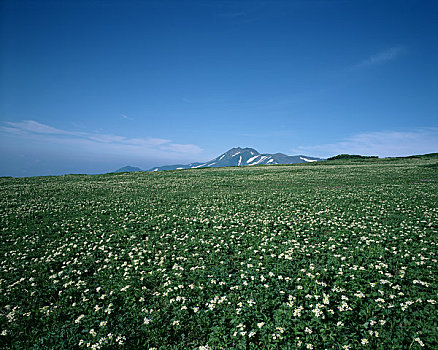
pixel 327 254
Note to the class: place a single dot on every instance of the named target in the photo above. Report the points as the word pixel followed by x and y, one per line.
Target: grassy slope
pixel 181 259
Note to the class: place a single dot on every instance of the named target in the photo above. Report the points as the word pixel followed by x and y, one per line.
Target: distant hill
pixel 427 155
pixel 351 156
pixel 240 157
pixel 128 169
pixel 358 158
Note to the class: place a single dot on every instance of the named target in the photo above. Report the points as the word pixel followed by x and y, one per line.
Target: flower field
pixel 335 255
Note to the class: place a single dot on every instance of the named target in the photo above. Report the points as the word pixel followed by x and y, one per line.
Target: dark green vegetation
pixel 328 255
pixel 351 156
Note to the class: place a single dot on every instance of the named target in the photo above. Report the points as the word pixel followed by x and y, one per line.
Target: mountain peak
pixel 236 150
pixel 240 156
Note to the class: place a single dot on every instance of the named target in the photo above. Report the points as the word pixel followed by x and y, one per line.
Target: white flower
pixel 79 318
pixel 359 294
pixel 418 340
pixel 280 329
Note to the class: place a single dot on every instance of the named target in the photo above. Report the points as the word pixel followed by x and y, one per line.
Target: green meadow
pixel 331 255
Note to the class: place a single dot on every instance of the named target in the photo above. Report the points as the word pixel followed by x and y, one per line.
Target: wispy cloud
pixel 181 148
pixel 381 57
pixel 32 126
pixel 124 116
pixel 150 146
pixel 381 143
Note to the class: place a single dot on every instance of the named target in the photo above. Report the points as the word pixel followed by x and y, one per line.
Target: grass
pixel 330 255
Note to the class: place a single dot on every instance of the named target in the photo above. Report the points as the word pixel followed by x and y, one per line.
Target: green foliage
pixel 284 257
pixel 433 165
pixel 351 156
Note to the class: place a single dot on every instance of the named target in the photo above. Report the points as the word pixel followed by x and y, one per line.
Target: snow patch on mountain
pixel 199 166
pixel 251 159
pixel 261 160
pixel 308 160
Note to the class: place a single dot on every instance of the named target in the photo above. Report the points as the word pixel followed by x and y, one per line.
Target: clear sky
pixel 91 86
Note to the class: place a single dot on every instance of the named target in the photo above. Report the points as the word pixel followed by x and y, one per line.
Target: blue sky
pixel 91 86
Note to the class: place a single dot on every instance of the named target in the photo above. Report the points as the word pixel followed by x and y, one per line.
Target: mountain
pixel 242 156
pixel 128 169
